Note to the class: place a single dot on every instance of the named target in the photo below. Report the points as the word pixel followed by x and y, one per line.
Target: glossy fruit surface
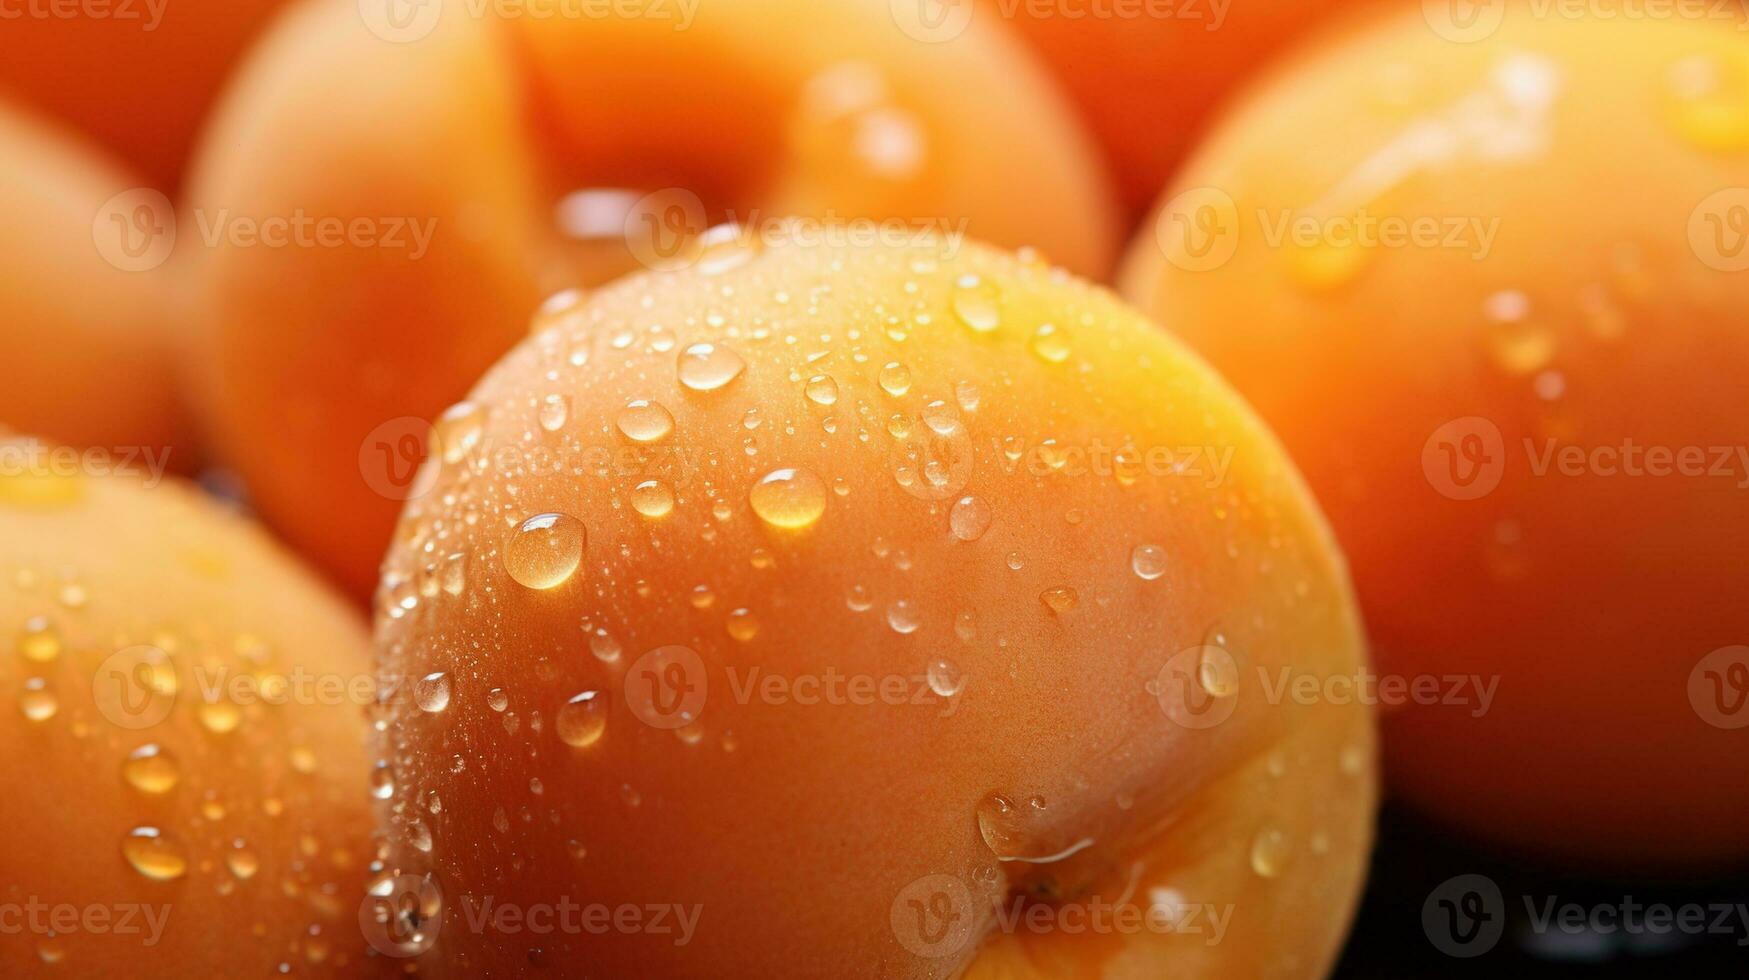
pixel 854 601
pixel 1509 357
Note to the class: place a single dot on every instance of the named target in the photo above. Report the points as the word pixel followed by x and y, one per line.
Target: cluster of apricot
pixel 785 559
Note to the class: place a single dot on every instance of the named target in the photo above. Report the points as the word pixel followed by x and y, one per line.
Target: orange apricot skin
pixel 475 131
pixel 1435 397
pixel 796 824
pixel 171 625
pixel 91 345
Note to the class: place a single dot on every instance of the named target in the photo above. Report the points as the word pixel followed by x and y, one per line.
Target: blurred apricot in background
pixel 86 322
pixel 478 164
pixel 137 76
pixel 185 736
pixel 1486 281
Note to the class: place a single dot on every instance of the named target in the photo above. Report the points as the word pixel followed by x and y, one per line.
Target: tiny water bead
pixel 1148 561
pixel 707 367
pixel 38 702
pixel 822 390
pixel 945 678
pixel 40 642
pixel 895 379
pixel 150 769
pixel 977 304
pixel 583 719
pixel 219 717
pixel 457 432
pixel 743 625
pixel 788 498
pixel 1519 343
pixel 642 420
pixel 1269 852
pixel 858 599
pixel 902 617
pixel 431 692
pixel 653 499
pixel 1061 599
pixel 969 518
pixel 242 861
pixel 1050 344
pixel 152 855
pixel 554 410
pixel 545 550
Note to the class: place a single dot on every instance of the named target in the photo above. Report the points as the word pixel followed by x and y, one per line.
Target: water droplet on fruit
pixel 977 304
pixel 150 769
pixel 553 412
pixel 902 617
pixel 40 641
pixel 1050 344
pixel 1518 343
pixel 822 389
pixel 653 499
pixel 726 247
pixel 789 498
pixel 152 855
pixel 858 599
pixel 645 421
pixel 1060 599
pixel 458 431
pixel 431 692
pixel 743 625
pixel 1148 561
pixel 545 550
pixel 1269 852
pixel 707 367
pixel 895 379
pixel 945 678
pixel 583 719
pixel 969 518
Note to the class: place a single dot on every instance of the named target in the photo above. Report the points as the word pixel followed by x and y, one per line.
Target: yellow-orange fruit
pixel 138 76
pixel 1511 272
pixel 185 743
pixel 479 157
pixel 85 308
pixel 1149 74
pixel 869 611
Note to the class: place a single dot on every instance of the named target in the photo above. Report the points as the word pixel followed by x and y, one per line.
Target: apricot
pixel 185 740
pixel 1150 75
pixel 87 316
pixel 466 160
pixel 137 76
pixel 1508 354
pixel 829 610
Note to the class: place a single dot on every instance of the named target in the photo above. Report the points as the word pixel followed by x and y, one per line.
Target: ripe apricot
pixel 466 171
pixel 86 309
pixel 831 610
pixel 137 76
pixel 185 742
pixel 1149 75
pixel 1471 316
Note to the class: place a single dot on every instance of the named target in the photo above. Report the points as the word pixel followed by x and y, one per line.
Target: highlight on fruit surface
pixel 827 609
pixel 1509 357
pixel 184 732
pixel 462 165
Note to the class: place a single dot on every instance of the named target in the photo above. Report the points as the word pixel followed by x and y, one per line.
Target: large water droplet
pixel 945 678
pixel 969 518
pixel 707 367
pixel 152 855
pixel 789 498
pixel 545 550
pixel 977 304
pixel 431 692
pixel 653 499
pixel 1148 561
pixel 583 719
pixel 150 769
pixel 645 421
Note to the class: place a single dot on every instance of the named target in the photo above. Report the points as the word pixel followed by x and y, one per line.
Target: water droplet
pixel 727 247
pixel 701 597
pixel 583 719
pixel 152 855
pixel 977 304
pixel 1269 852
pixel 895 379
pixel 967 395
pixel 1148 561
pixel 604 646
pixel 945 678
pixel 858 599
pixel 545 550
pixel 707 367
pixel 419 836
pixel 40 642
pixel 242 861
pixel 382 781
pixel 969 518
pixel 965 626
pixel 1060 599
pixel 497 699
pixel 902 617
pixel 219 717
pixel 653 499
pixel 743 625
pixel 1217 673
pixel 822 390
pixel 150 769
pixel 1518 342
pixel 553 412
pixel 37 702
pixel 642 420
pixel 457 431
pixel 1050 344
pixel 789 498
pixel 431 692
